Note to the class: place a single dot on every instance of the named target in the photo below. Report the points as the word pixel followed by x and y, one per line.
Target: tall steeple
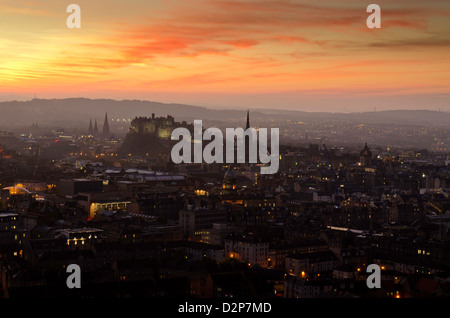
pixel 248 120
pixel 365 156
pixel 106 127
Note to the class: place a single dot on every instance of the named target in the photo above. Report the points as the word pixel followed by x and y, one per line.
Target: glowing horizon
pixel 286 54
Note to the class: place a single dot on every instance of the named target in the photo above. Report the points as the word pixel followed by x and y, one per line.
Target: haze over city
pixel 282 54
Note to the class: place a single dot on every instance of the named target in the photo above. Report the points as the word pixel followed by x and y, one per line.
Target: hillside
pixel 76 112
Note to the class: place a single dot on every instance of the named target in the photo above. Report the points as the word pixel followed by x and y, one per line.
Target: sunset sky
pixel 304 55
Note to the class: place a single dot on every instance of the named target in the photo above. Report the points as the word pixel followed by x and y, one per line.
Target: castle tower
pixel 106 127
pixel 365 156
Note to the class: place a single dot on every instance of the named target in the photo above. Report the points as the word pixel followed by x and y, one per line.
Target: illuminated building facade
pixel 304 264
pixel 9 221
pixel 247 248
pixel 32 186
pixel 160 127
pixel 81 238
pixel 109 205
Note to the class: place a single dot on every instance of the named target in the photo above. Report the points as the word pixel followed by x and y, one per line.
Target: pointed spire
pixel 366 147
pixel 106 127
pixel 248 120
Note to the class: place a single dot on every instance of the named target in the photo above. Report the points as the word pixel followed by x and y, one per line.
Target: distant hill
pixel 76 112
pixel 413 117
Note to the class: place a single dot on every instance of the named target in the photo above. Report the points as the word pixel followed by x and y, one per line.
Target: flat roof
pixel 86 230
pixel 6 214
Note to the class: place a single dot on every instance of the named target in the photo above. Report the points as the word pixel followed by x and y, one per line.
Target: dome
pixel 17 190
pixel 230 175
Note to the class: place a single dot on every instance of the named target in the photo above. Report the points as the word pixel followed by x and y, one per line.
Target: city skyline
pixel 126 172
pixel 265 54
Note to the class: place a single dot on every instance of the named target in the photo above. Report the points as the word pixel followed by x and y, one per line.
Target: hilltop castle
pixel 150 136
pixel 160 127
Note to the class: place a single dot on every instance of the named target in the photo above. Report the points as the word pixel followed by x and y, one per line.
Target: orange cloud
pixel 231 45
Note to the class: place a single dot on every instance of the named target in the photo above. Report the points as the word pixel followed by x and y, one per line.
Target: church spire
pixel 106 127
pixel 248 120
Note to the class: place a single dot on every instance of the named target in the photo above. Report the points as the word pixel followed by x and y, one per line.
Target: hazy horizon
pixel 234 108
